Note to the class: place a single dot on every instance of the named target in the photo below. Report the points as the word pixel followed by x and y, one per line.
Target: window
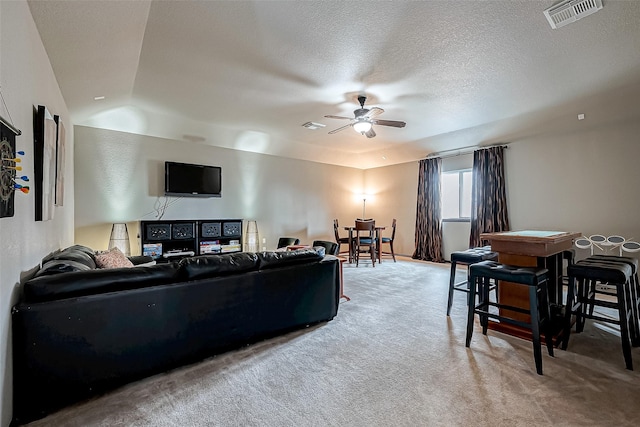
pixel 456 195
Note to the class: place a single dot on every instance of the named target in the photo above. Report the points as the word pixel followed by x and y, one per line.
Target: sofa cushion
pixel 203 266
pixel 280 259
pixel 80 283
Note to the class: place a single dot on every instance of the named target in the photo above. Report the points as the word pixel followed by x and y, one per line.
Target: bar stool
pixel 468 257
pixel 634 285
pixel 536 279
pixel 581 297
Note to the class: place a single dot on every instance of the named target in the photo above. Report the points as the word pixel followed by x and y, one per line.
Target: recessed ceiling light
pixel 580 116
pixel 98 98
pixel 313 125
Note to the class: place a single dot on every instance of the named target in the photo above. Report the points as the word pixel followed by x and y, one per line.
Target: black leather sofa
pixel 79 331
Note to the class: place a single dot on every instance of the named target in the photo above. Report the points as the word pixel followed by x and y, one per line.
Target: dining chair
pixel 287 241
pixel 331 248
pixel 341 240
pixel 388 240
pixel 365 240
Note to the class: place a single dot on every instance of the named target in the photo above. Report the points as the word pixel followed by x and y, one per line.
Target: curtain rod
pixel 11 127
pixel 463 150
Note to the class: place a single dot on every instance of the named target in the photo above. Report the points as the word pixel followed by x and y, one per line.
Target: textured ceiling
pixel 248 74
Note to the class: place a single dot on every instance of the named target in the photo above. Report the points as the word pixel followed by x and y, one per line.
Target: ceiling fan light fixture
pixel 362 126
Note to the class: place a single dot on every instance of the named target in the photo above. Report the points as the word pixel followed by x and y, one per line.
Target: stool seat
pixel 473 255
pixel 523 275
pixel 602 271
pixel 466 257
pixel 632 262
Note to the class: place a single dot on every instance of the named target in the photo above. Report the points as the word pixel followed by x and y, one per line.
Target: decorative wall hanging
pixel 9 168
pixel 119 238
pixel 606 244
pixel 44 153
pixel 252 238
pixel 60 152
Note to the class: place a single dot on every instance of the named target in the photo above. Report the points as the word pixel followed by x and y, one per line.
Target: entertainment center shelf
pixel 167 241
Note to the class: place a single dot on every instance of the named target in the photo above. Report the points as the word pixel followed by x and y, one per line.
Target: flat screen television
pixel 183 179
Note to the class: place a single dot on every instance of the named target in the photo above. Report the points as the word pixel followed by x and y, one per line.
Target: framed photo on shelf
pixel 210 247
pixel 154 250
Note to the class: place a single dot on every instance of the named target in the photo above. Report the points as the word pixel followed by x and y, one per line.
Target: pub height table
pixel 531 248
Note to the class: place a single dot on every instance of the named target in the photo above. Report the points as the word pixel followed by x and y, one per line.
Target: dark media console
pixel 168 241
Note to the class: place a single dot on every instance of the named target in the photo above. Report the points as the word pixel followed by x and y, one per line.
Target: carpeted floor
pixel 390 358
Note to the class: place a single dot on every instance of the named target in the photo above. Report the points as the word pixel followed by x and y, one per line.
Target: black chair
pixel 466 258
pixel 287 241
pixel 585 277
pixel 480 277
pixel 388 240
pixel 365 240
pixel 330 248
pixel 342 241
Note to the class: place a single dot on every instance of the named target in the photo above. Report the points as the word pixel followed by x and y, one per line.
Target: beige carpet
pixel 390 358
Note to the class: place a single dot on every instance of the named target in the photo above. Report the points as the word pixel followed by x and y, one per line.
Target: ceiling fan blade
pixel 370 133
pixel 393 123
pixel 338 117
pixel 373 112
pixel 341 128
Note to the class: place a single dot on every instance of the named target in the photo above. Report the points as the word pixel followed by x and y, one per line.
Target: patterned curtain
pixel 488 194
pixel 428 212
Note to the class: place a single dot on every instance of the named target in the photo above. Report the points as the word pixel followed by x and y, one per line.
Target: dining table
pixel 378 236
pixel 530 248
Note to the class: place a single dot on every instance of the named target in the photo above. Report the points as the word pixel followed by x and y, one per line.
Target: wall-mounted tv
pixel 183 179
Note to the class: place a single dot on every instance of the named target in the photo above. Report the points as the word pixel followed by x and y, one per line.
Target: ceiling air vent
pixel 570 11
pixel 313 125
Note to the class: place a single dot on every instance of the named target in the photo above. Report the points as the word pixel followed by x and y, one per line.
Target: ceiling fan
pixel 364 119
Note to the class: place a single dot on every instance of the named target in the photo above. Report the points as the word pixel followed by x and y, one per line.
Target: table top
pixel 531 242
pixel 531 236
pixel 353 227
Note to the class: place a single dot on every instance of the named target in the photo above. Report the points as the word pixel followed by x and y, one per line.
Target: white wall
pixel 121 179
pixel 26 80
pixel 393 193
pixel 583 181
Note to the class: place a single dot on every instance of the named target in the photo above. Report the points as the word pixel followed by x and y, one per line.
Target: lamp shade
pixel 362 126
pixel 120 238
pixel 252 238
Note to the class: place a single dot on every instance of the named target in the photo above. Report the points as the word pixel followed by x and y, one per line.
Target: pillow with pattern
pixel 113 258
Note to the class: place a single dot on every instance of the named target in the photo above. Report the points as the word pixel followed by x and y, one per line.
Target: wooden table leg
pixel 342 295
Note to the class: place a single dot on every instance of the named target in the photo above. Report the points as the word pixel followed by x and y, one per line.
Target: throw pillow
pixel 113 258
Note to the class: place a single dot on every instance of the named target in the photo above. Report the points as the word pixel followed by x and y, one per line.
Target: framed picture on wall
pixel 60 152
pixel 45 134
